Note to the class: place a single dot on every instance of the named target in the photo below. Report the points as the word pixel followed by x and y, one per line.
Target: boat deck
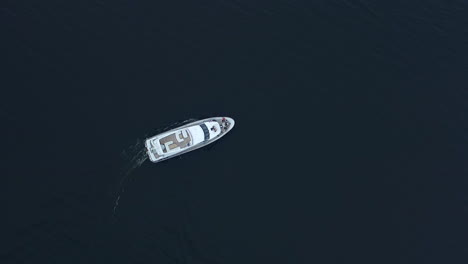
pixel 177 140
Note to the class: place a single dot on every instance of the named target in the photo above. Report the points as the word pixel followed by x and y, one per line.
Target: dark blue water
pixel 349 146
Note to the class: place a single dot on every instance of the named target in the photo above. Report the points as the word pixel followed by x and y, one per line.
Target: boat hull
pixel 157 157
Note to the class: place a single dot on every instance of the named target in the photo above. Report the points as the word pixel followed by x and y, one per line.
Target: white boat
pixel 187 138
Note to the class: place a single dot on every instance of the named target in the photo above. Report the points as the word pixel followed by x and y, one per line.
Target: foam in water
pixel 135 155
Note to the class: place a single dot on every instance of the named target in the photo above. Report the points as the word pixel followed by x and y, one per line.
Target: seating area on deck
pixel 175 141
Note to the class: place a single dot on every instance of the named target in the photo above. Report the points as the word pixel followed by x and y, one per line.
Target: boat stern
pixel 151 151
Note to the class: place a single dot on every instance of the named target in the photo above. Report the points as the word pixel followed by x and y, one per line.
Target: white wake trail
pixel 135 155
